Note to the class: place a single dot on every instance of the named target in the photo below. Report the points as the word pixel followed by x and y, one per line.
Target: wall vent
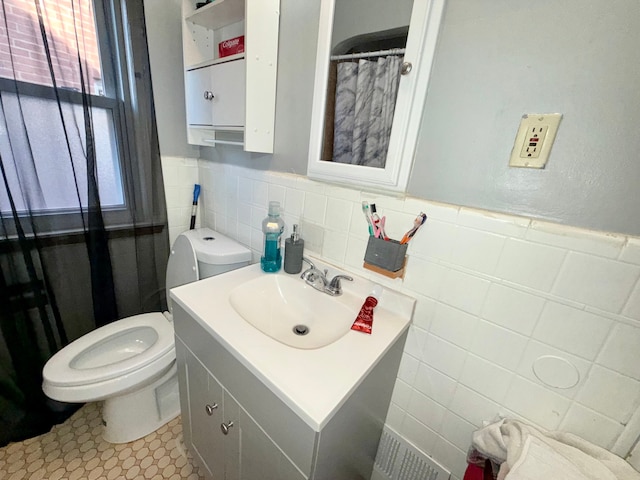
pixel 399 460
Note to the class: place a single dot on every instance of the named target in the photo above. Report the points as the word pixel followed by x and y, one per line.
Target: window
pixel 45 159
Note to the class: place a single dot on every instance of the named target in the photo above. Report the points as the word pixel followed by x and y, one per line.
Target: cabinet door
pixel 228 88
pixel 183 389
pixel 215 95
pixel 205 408
pixel 251 454
pixel 198 97
pixel 232 437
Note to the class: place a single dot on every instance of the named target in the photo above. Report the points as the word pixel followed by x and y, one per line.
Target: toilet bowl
pixel 130 364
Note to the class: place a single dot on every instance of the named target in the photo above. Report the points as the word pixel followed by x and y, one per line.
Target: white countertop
pixel 313 383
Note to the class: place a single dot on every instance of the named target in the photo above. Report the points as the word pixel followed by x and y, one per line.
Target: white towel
pixel 527 453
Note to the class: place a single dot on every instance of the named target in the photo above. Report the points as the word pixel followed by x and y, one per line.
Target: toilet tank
pixel 216 253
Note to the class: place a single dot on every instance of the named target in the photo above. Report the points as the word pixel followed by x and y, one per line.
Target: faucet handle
pixel 335 287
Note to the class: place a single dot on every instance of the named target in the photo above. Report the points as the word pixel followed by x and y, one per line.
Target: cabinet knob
pixel 406 68
pixel 208 95
pixel 225 427
pixel 210 408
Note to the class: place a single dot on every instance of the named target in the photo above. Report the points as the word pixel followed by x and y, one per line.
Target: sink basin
pixel 292 312
pixel 252 314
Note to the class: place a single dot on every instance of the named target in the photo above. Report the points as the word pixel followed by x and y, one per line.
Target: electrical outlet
pixel 534 140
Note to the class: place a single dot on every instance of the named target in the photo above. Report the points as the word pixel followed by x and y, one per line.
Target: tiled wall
pixel 494 294
pixel 180 175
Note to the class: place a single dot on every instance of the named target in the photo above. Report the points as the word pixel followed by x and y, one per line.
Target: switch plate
pixel 534 140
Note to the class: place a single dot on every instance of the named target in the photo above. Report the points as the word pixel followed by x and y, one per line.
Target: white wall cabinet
pixel 266 439
pixel 215 95
pixel 412 89
pixel 242 86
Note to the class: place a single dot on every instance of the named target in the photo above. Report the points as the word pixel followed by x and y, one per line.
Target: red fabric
pixel 474 472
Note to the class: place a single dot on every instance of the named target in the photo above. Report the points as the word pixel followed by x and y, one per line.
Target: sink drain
pixel 300 329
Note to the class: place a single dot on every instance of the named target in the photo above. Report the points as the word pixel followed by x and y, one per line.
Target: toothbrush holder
pixel 385 254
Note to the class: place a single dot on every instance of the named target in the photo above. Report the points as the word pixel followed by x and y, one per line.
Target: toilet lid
pixel 182 267
pixel 111 351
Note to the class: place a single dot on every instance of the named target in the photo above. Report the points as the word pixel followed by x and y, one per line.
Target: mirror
pixel 352 28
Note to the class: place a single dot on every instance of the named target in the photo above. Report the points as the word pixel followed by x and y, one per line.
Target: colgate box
pixel 231 46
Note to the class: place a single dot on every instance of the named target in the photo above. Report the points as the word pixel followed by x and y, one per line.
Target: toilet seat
pixel 152 347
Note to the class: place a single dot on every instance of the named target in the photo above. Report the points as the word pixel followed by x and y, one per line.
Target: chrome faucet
pixel 318 279
pixel 314 276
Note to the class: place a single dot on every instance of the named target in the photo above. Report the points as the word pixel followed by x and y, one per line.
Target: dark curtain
pixel 83 225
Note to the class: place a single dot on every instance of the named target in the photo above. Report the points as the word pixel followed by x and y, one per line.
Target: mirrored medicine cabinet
pixel 341 20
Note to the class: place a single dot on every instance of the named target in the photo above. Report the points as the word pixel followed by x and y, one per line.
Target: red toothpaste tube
pixel 364 320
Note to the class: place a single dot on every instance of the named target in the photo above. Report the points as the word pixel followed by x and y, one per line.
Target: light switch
pixel 534 140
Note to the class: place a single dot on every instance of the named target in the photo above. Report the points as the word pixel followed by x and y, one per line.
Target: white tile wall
pixel 596 281
pixel 494 294
pixel 453 325
pixel 559 323
pixel 537 403
pixel 589 424
pixel 631 251
pixel 513 309
pixel 530 264
pixel 564 378
pixel 620 353
pixel 443 356
pixel 180 175
pixel 623 398
pixel 434 384
pixel 498 345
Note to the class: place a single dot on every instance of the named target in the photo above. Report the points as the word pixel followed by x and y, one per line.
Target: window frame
pixel 118 77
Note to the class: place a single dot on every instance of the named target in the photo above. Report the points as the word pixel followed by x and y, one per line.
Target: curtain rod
pixel 379 53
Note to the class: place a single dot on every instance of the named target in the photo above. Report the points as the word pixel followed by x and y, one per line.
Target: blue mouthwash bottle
pixel 272 226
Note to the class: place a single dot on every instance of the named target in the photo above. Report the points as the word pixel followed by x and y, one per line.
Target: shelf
pixel 212 136
pixel 223 142
pixel 386 273
pixel 208 63
pixel 218 14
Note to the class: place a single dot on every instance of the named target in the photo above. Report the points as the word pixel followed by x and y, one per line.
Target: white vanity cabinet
pixel 266 438
pixel 231 99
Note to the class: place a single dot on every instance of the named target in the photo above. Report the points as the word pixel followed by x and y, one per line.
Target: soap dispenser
pixel 293 250
pixel 272 227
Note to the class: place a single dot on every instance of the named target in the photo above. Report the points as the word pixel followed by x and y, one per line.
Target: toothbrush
pixel 417 223
pixel 378 228
pixel 194 207
pixel 378 224
pixel 365 210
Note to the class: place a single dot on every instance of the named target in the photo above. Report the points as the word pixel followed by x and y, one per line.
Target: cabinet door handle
pixel 208 95
pixel 406 68
pixel 210 408
pixel 225 427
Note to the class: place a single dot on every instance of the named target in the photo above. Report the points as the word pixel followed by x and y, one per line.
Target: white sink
pixel 290 311
pixel 252 314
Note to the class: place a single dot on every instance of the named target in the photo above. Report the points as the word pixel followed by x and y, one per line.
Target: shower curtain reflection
pixel 365 101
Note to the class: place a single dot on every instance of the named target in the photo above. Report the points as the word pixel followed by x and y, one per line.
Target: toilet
pixel 130 364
